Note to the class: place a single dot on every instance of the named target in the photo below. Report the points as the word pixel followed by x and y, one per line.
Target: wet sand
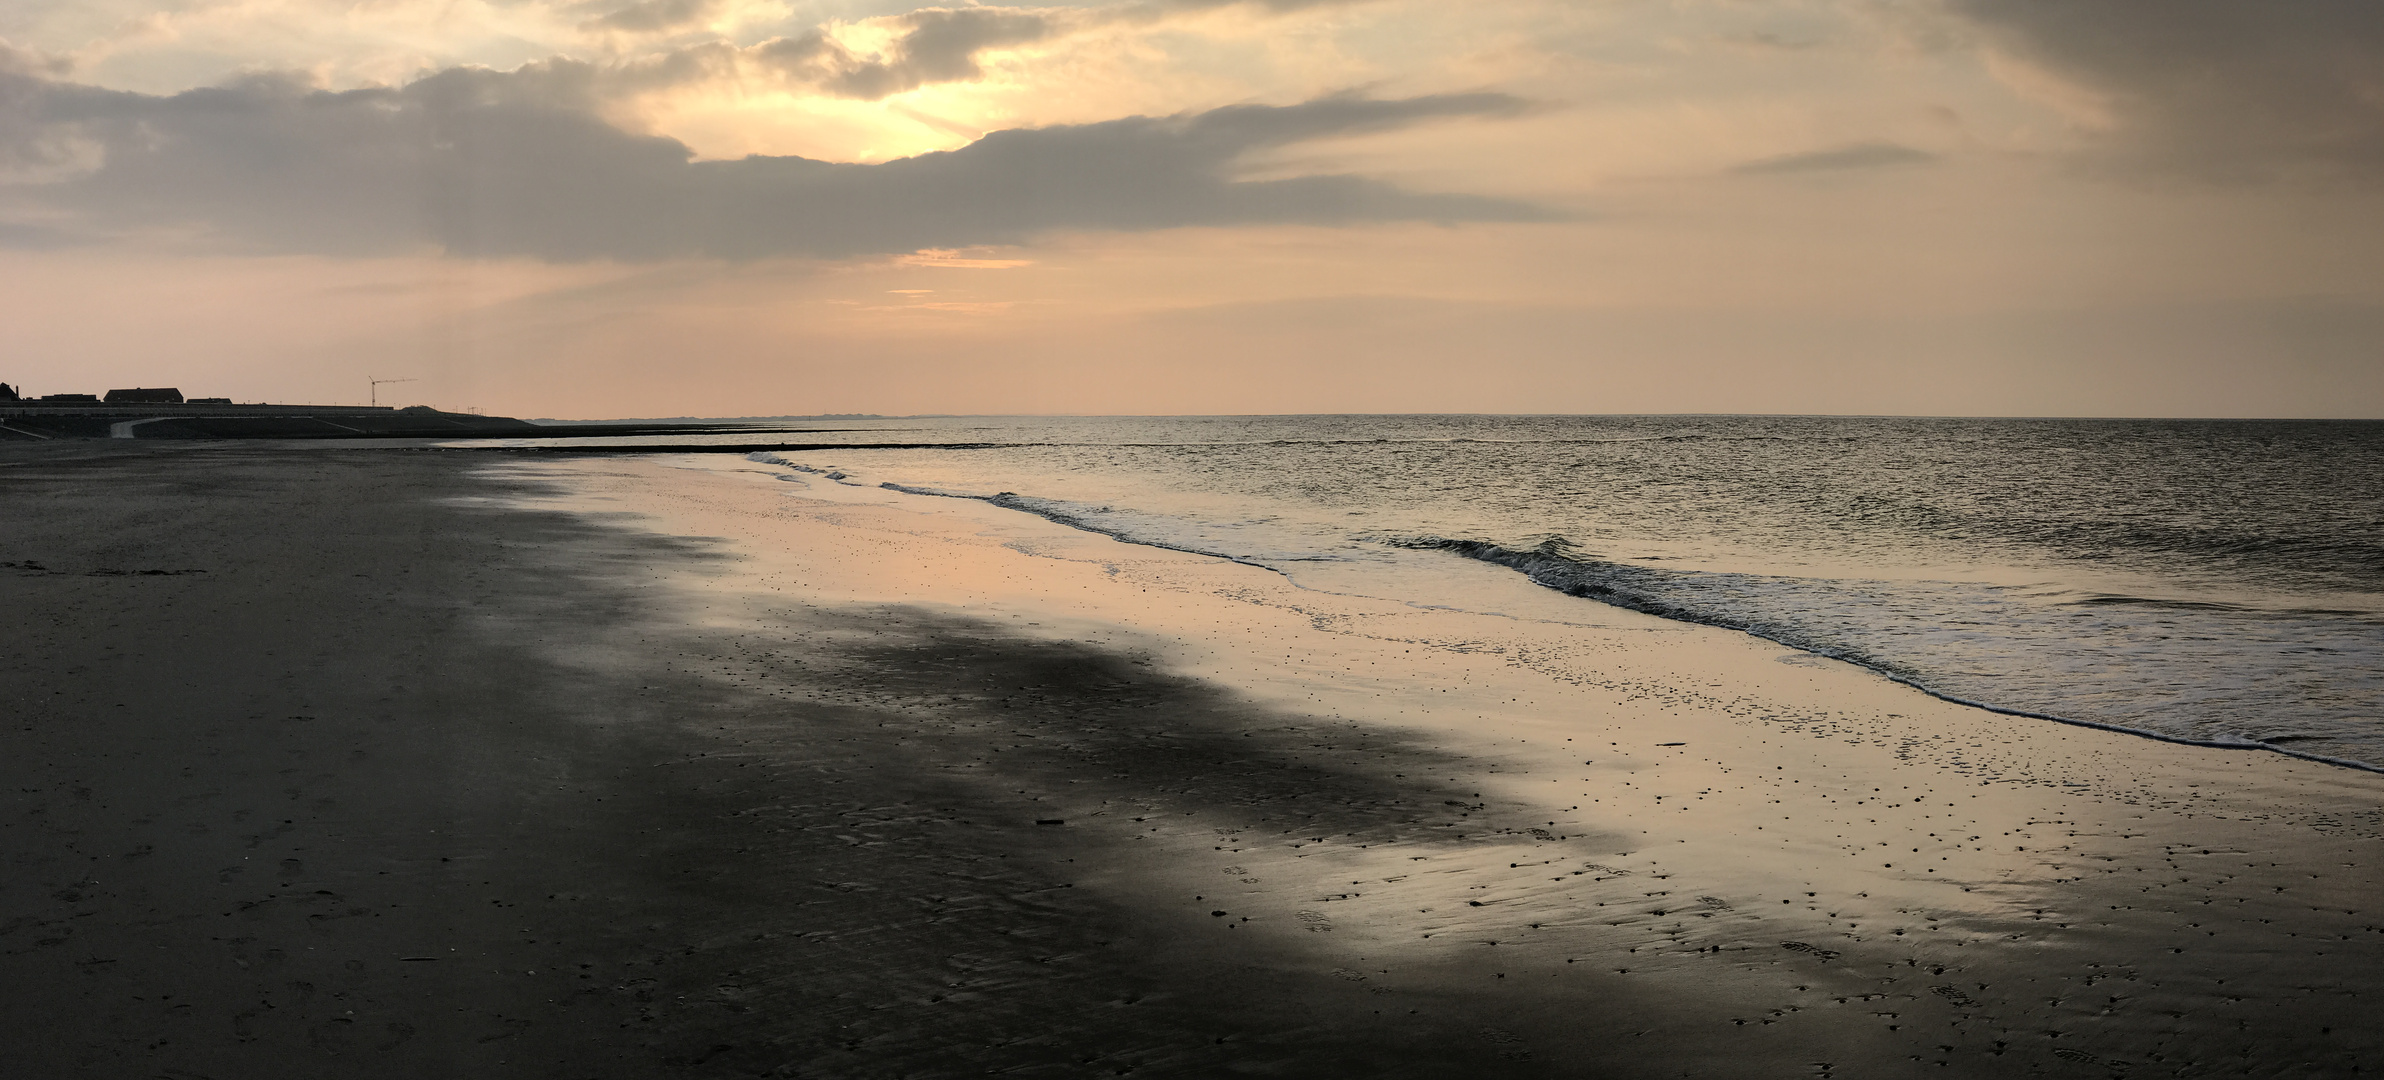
pixel 366 763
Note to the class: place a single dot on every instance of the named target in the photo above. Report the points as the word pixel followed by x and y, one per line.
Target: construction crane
pixel 378 383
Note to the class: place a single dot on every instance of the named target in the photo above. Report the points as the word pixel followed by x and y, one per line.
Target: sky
pixel 646 208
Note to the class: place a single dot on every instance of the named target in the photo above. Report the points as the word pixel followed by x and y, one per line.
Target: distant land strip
pixel 720 448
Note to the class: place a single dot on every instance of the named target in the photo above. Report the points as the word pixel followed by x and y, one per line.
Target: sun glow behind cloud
pixel 1078 68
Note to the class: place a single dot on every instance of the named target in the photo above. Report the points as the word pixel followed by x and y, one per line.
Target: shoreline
pixel 768 762
pixel 2264 801
pixel 1914 683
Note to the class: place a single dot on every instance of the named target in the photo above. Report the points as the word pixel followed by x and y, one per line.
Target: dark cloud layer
pixel 2230 89
pixel 492 164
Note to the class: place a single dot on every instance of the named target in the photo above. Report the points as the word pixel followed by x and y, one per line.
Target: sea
pixel 2202 581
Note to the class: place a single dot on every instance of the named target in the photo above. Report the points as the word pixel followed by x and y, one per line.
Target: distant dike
pixel 163 413
pixel 94 419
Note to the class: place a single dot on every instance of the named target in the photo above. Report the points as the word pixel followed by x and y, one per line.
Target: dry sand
pixel 417 764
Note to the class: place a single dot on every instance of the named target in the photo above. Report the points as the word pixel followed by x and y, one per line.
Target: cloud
pixel 950 259
pixel 938 45
pixel 654 16
pixel 2223 89
pixel 18 61
pixel 931 45
pixel 905 51
pixel 1870 155
pixel 483 163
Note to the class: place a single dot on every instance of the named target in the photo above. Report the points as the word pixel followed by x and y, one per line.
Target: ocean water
pixel 2217 582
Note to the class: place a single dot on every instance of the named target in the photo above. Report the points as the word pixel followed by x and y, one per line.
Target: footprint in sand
pixel 1316 920
pixel 1353 976
pixel 1508 1041
pixel 1714 902
pixel 2084 1058
pixel 1605 869
pixel 1798 946
pixel 1955 995
pixel 330 1035
pixel 509 1026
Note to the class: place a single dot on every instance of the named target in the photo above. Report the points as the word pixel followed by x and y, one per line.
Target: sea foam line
pixel 1547 566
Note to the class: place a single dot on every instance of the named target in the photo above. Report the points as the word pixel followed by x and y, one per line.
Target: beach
pixel 414 762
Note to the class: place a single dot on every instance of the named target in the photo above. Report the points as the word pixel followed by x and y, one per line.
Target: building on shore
pixel 145 396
